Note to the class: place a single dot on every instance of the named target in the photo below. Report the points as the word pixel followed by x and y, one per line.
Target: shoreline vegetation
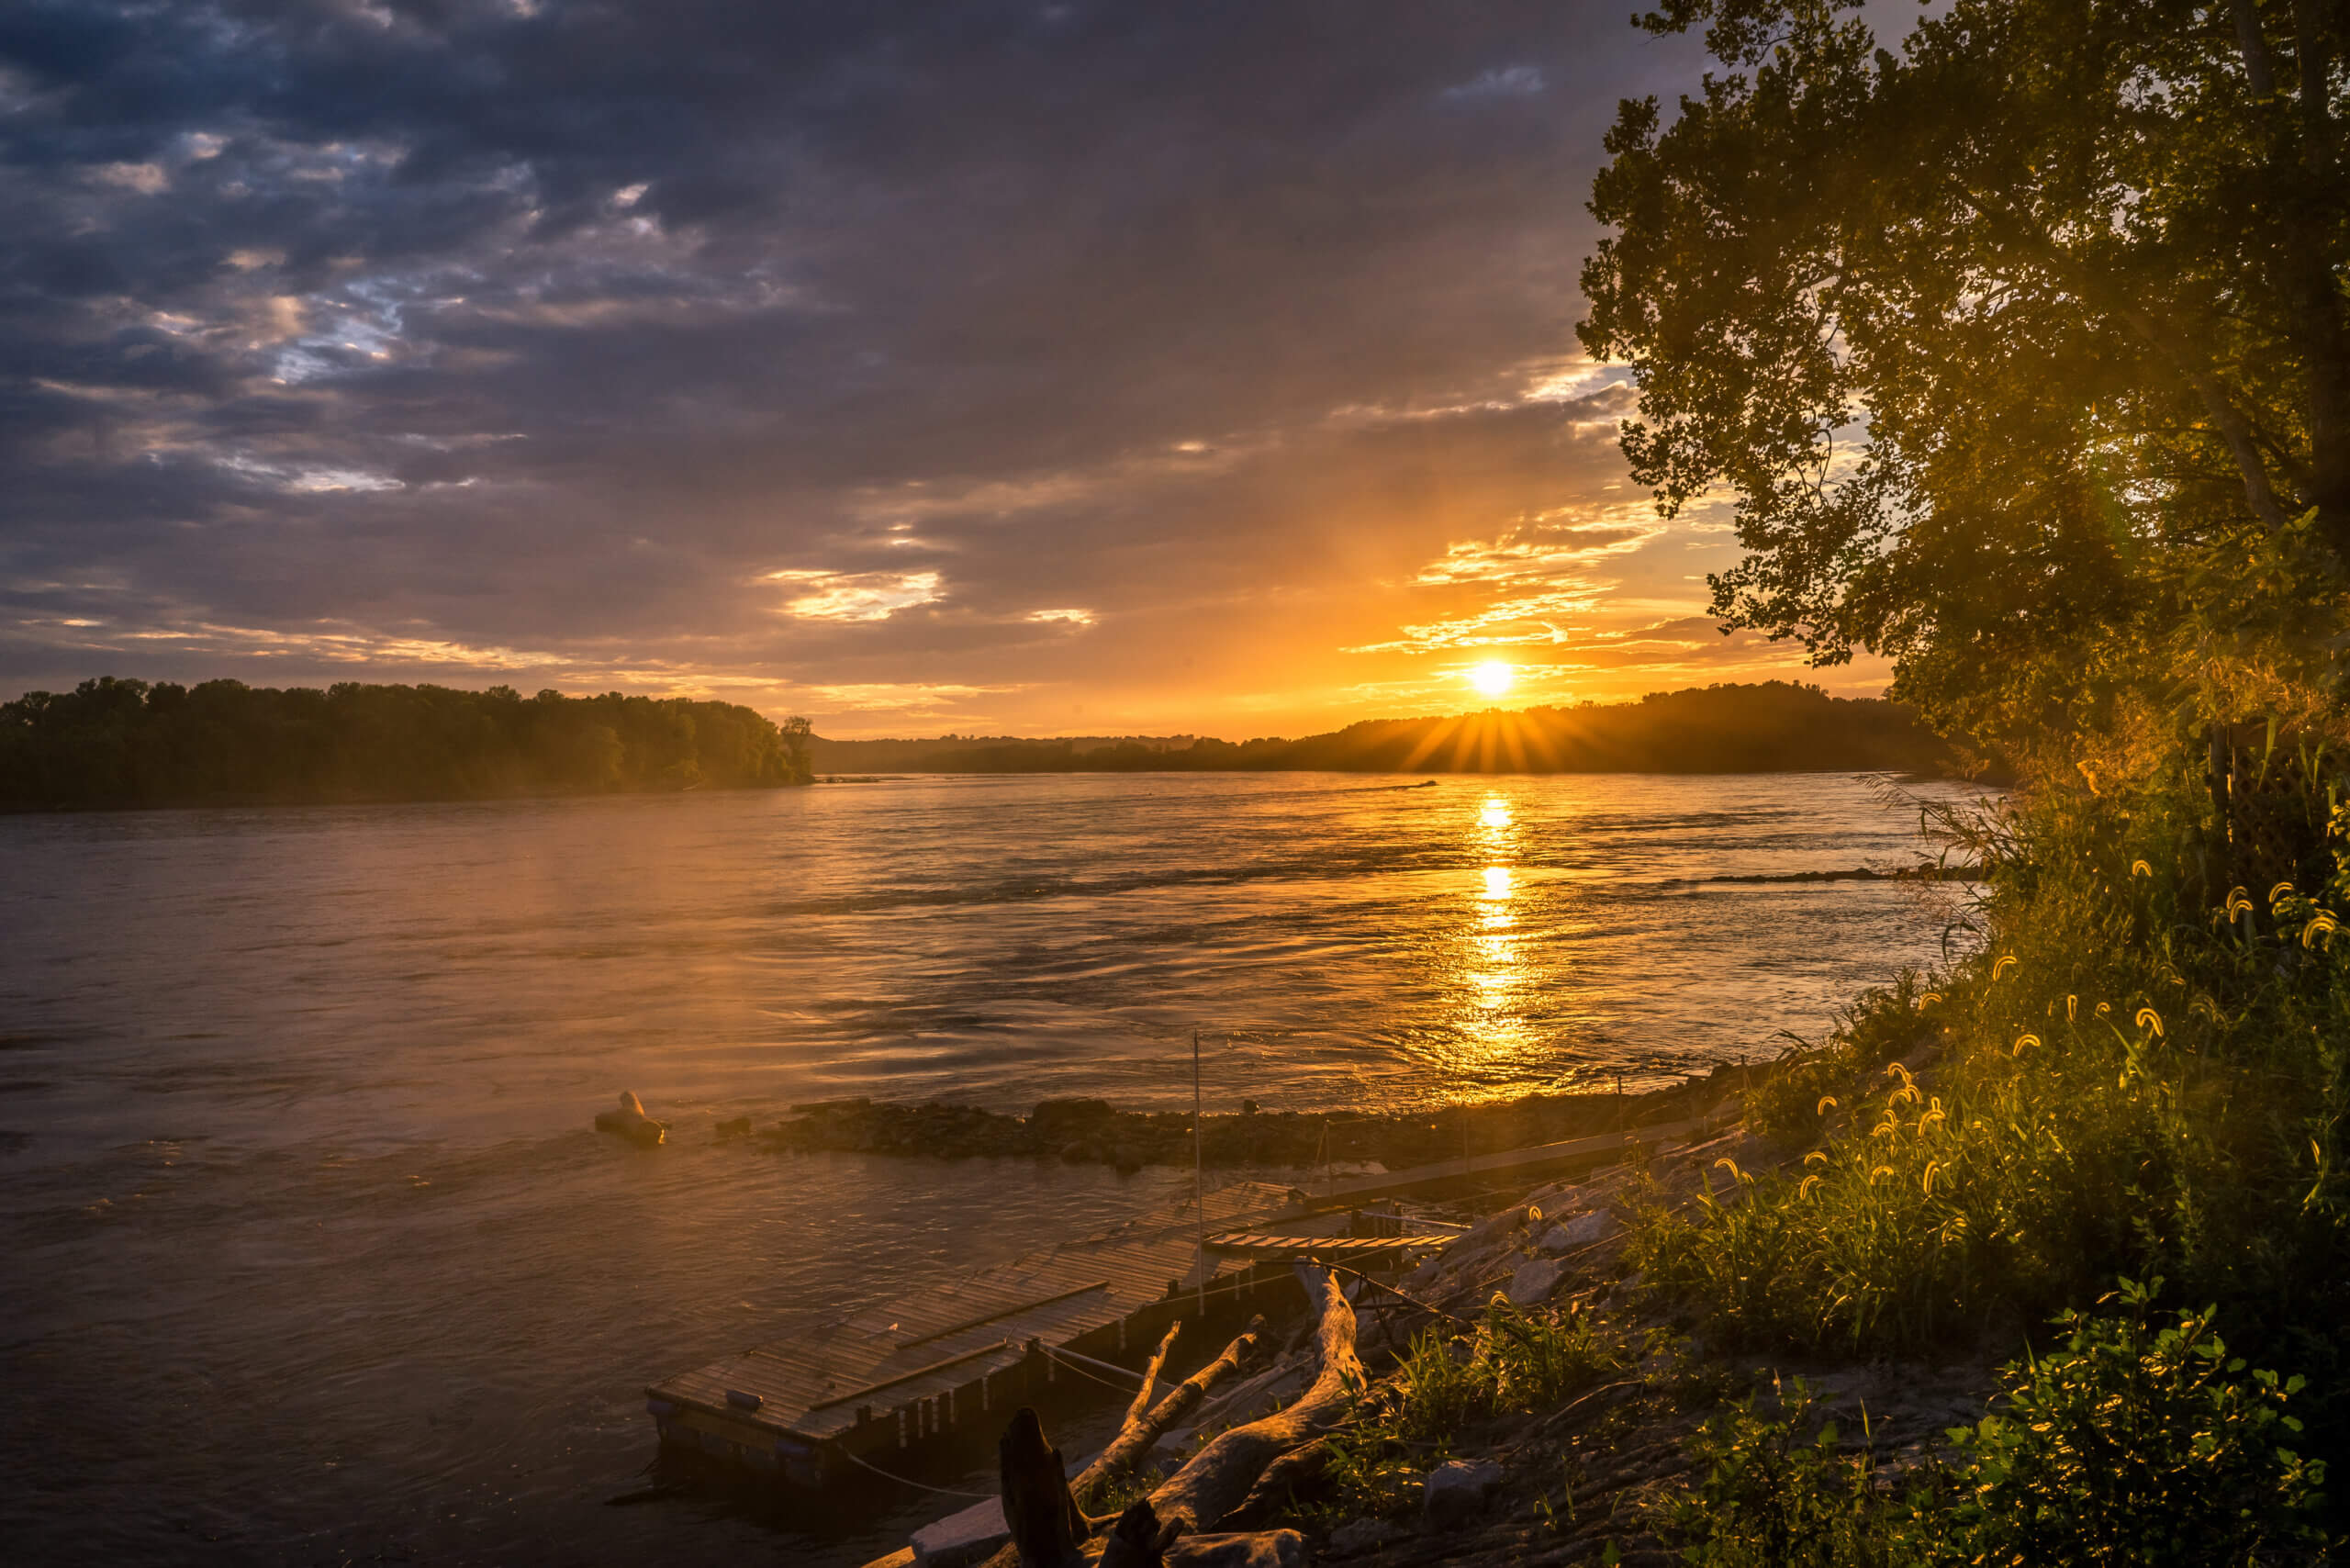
pixel 1772 726
pixel 112 742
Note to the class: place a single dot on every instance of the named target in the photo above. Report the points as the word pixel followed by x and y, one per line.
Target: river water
pixel 313 1259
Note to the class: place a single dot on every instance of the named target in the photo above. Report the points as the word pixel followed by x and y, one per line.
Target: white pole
pixel 1199 1174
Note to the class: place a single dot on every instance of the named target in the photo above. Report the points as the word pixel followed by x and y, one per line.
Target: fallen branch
pixel 1150 1373
pixel 1036 1497
pixel 1220 1475
pixel 1136 1438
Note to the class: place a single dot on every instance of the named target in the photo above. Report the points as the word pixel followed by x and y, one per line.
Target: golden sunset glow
pixel 1492 677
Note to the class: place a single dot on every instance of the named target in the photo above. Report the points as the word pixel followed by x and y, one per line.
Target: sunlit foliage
pixel 2002 340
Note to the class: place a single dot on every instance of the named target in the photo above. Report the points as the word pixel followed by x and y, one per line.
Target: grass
pixel 1516 1361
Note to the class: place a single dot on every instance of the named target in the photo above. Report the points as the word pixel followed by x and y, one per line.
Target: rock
pixel 1267 1549
pixel 1061 1122
pixel 1362 1535
pixel 1580 1231
pixel 1493 1228
pixel 1534 1282
pixel 631 1122
pixel 971 1536
pixel 1458 1492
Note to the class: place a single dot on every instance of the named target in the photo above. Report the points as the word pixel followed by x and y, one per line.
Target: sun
pixel 1492 677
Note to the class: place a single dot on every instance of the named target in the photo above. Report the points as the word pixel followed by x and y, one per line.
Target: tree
pixel 1990 338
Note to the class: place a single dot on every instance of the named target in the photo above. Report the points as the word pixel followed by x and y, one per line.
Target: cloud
pixel 493 330
pixel 147 179
pixel 1534 552
pixel 865 595
pixel 1540 570
pixel 1500 81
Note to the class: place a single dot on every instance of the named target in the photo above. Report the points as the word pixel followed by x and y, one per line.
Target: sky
pixel 964 367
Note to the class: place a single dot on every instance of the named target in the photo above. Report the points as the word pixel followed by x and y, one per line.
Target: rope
pixel 1081 1370
pixel 918 1485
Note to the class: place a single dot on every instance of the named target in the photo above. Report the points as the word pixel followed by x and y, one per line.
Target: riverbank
pixel 2036 1258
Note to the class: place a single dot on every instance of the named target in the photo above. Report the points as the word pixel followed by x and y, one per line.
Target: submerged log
pixel 1220 1476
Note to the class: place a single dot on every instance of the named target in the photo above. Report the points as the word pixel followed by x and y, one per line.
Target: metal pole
pixel 1199 1174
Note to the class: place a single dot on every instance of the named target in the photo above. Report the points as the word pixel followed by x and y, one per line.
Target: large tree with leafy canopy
pixel 1991 336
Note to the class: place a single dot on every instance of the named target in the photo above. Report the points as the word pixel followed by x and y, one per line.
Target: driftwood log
pixel 1276 1490
pixel 1044 1520
pixel 1220 1476
pixel 1034 1468
pixel 1137 1437
pixel 1048 1528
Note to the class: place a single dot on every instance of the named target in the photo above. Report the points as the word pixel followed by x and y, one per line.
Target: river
pixel 314 1258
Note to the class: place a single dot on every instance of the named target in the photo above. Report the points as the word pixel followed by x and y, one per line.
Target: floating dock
pixel 894 1387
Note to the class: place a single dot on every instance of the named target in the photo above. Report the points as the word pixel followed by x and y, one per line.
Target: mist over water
pixel 315 1260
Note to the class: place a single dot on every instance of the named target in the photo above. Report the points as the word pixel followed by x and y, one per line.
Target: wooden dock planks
pixel 892 1377
pixel 1325 1249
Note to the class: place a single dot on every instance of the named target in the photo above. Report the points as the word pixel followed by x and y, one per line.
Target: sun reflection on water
pixel 1490 1012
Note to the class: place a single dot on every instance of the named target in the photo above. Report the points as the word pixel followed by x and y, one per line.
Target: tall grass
pixel 1516 1361
pixel 2131 1074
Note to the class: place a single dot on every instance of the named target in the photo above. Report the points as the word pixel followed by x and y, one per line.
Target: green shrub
pixel 1772 1497
pixel 1517 1359
pixel 2140 1442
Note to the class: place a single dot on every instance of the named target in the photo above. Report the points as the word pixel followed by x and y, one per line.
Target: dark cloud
pixel 536 334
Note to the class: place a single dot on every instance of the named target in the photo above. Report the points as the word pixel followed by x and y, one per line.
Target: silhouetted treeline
pixel 125 743
pixel 1774 727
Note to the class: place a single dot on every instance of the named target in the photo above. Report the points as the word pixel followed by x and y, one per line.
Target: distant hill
pixel 125 743
pixel 1774 727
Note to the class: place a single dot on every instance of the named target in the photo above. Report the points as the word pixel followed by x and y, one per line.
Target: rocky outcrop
pixel 1095 1132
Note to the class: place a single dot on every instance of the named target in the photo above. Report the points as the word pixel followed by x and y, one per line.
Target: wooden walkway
pixel 1357 1249
pixel 913 1373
